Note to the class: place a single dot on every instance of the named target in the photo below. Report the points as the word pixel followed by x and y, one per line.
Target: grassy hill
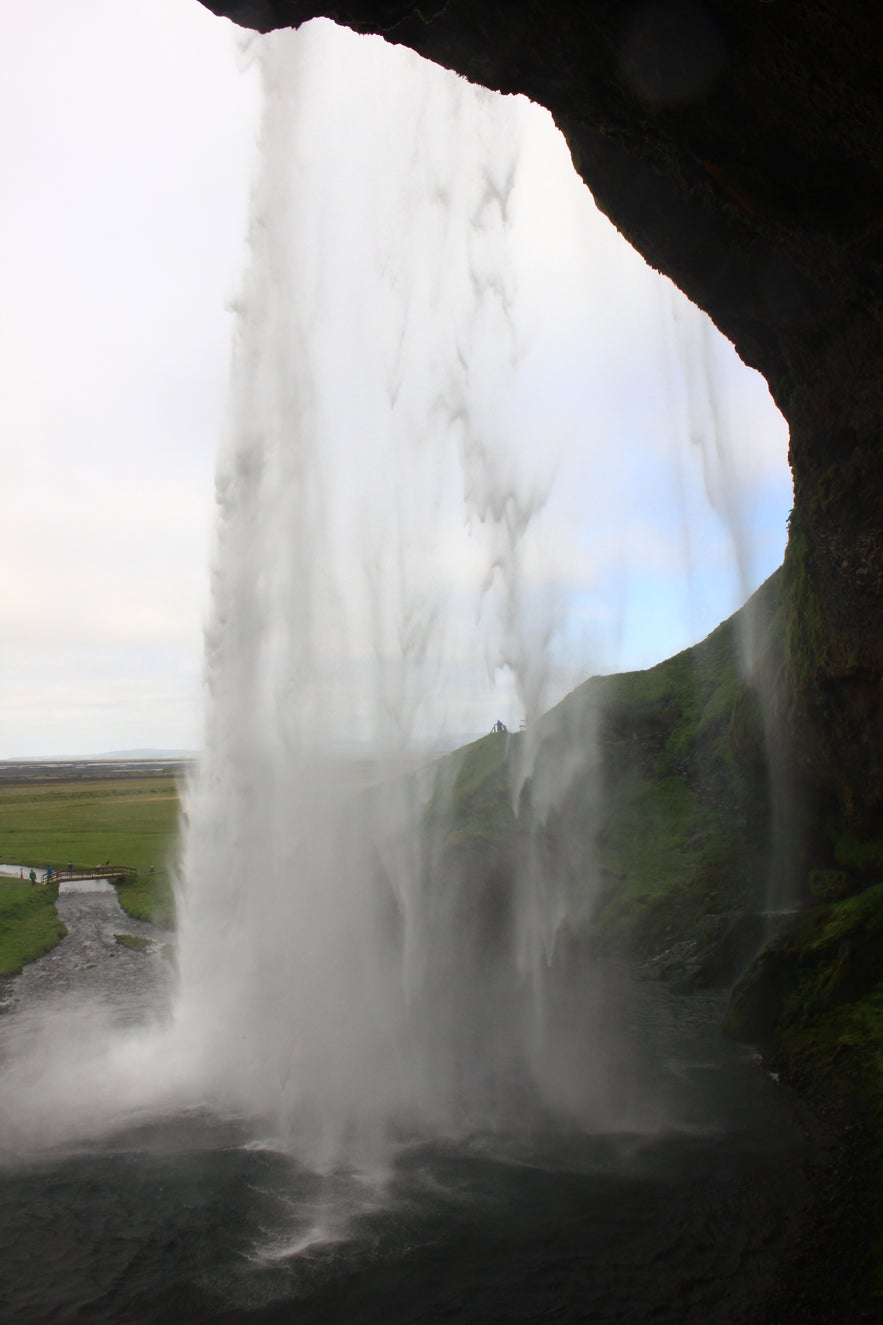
pixel 643 799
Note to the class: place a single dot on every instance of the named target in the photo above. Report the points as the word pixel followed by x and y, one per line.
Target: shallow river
pixel 194 1218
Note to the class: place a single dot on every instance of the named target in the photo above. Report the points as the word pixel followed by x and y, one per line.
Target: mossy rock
pixel 830 885
pixel 135 942
pixel 860 853
pixel 717 951
pixel 813 999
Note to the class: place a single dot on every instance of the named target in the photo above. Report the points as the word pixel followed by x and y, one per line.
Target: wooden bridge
pixel 115 873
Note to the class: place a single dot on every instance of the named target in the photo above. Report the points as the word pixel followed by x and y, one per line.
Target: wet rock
pixel 713 956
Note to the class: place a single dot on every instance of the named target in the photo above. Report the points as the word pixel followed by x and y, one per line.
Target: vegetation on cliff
pixel 645 796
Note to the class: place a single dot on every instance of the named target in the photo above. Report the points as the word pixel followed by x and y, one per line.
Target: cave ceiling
pixel 738 146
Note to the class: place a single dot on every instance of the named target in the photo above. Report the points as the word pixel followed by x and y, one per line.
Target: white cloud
pixel 125 191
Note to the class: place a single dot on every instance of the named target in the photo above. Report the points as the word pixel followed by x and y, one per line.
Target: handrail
pixel 125 872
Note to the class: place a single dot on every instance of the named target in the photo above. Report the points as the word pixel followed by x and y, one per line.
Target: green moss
pixel 134 942
pixel 829 885
pixel 861 854
pixel 829 956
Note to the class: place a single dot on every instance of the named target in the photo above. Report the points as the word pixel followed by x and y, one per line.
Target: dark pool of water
pixel 186 1222
pixel 190 1218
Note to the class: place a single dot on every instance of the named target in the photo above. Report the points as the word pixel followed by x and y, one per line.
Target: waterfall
pixel 352 967
pixel 377 512
pixel 425 525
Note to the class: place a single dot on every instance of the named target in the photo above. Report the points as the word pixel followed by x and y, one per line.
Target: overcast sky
pixel 129 130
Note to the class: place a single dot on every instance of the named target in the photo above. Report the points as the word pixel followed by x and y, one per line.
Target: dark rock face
pixel 738 144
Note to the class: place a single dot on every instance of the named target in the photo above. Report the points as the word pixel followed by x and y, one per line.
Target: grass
pixel 472 805
pixel 130 821
pixel 29 926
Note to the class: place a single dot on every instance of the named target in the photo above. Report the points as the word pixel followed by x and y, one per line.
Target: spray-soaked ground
pixel 190 1217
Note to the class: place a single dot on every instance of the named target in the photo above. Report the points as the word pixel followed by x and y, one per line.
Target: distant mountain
pixel 146 754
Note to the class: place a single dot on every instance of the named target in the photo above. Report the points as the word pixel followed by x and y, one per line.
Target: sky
pixel 129 143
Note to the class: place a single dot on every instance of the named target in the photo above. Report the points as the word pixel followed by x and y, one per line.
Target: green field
pixel 28 924
pixel 129 821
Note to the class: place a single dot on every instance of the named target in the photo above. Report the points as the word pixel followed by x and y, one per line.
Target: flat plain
pixel 85 820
